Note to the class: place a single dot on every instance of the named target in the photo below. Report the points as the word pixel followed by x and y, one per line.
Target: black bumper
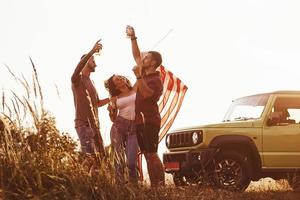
pixel 187 161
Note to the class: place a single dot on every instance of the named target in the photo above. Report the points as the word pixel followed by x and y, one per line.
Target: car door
pixel 281 138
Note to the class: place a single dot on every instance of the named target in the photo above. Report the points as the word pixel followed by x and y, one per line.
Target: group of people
pixel 133 110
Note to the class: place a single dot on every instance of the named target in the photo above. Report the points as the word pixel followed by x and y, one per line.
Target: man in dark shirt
pixel 86 103
pixel 149 90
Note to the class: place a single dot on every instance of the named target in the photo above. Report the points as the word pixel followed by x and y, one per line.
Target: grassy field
pixel 40 162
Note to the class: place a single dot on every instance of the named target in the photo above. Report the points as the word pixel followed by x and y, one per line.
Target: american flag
pixel 171 99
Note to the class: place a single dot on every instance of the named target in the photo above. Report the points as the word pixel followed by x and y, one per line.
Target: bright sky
pixel 221 49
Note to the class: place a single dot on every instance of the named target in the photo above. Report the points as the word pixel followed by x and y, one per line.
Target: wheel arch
pixel 243 144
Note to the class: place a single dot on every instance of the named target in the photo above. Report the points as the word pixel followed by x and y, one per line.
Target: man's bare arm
pixel 134 45
pixel 136 52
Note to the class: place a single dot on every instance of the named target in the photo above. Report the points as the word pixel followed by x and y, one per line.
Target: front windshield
pixel 247 108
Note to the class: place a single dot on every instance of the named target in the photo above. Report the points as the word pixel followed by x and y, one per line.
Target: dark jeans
pixel 124 141
pixel 90 140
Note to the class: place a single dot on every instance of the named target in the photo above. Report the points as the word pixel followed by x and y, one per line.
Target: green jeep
pixel 259 137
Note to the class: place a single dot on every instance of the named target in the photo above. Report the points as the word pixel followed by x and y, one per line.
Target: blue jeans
pixel 124 141
pixel 87 139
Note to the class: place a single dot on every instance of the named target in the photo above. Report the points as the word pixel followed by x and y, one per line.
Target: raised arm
pixel 97 47
pixel 134 45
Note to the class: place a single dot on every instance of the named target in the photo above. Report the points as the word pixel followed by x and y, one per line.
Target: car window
pixel 294 114
pixel 247 108
pixel 287 109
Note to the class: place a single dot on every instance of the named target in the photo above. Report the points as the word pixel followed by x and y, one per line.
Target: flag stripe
pixel 171 100
pixel 171 108
pixel 166 95
pixel 169 111
pixel 169 124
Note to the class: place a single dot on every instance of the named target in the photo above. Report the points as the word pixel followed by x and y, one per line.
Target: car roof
pixel 286 92
pixel 274 92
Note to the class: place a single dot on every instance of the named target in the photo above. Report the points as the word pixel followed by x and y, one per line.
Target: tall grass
pixel 40 162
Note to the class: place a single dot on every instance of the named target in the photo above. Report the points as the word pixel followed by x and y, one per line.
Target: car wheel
pixel 179 180
pixel 192 179
pixel 294 181
pixel 231 170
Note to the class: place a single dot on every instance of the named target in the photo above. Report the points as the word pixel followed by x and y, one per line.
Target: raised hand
pixel 97 47
pixel 130 32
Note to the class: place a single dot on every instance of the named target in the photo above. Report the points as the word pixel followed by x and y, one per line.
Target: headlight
pixel 195 137
pixel 168 140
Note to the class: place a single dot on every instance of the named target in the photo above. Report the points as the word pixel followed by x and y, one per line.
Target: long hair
pixel 111 87
pixel 113 92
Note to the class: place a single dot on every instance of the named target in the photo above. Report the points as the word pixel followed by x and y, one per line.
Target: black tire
pixel 179 180
pixel 294 181
pixel 192 179
pixel 231 171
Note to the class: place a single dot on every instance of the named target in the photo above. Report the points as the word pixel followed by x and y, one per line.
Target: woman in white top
pixel 123 130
